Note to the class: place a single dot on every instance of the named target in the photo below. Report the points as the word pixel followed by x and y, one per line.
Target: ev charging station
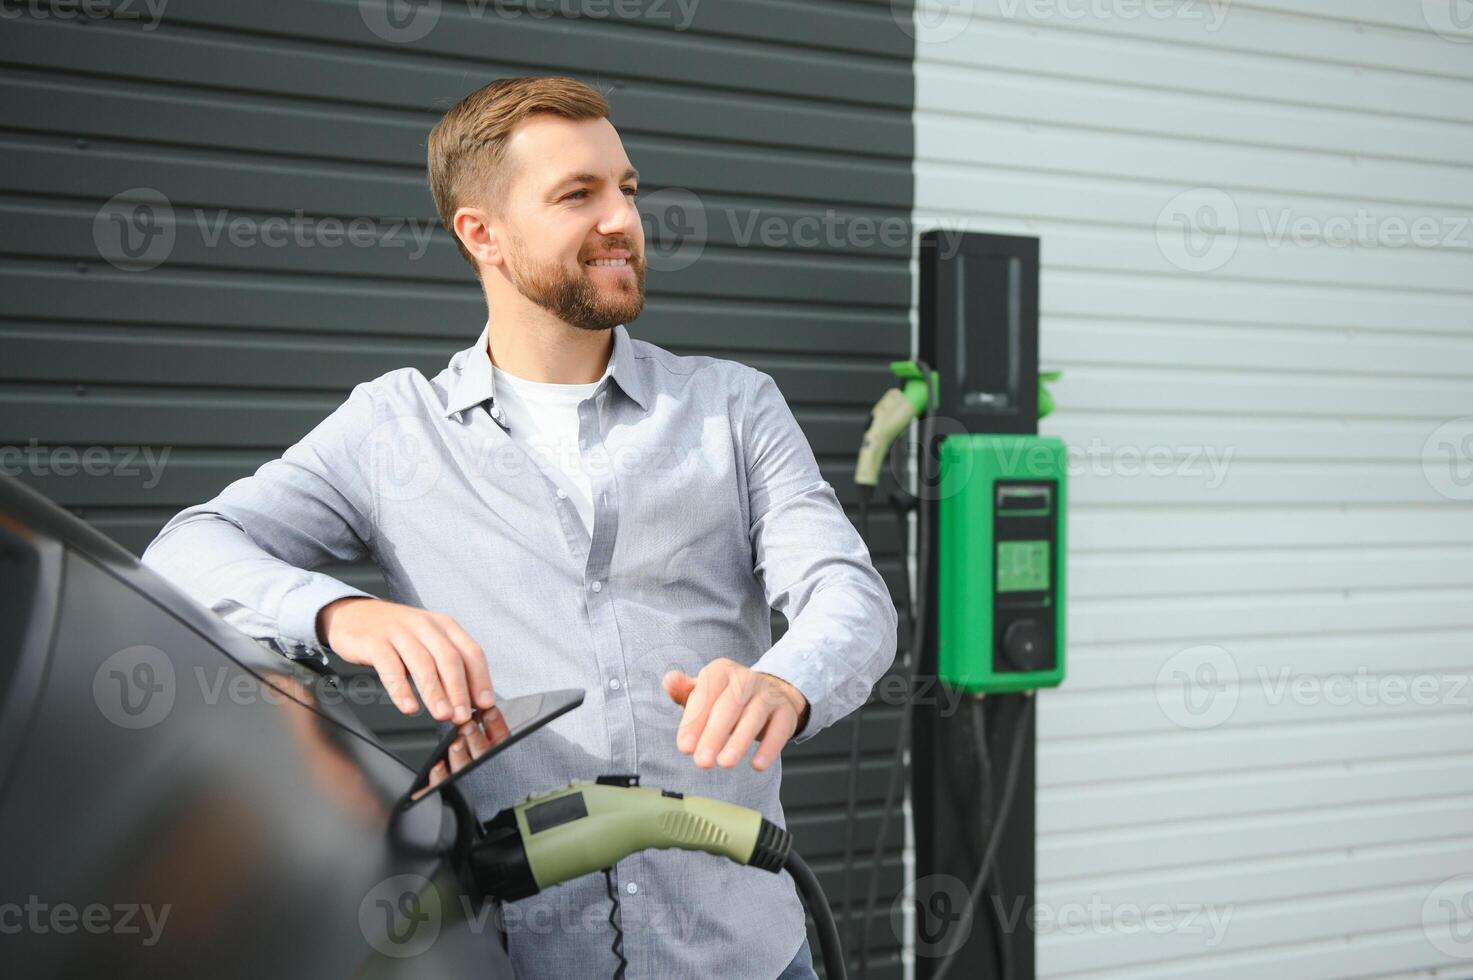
pixel 988 608
pixel 998 630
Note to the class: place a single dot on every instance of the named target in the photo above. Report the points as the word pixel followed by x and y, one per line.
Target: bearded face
pixel 594 296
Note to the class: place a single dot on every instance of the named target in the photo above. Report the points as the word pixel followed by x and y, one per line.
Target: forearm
pixel 214 561
pixel 838 646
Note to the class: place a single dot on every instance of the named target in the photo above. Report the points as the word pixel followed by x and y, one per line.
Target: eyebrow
pixel 630 174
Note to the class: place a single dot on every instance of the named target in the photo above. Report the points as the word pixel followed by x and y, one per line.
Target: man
pixel 566 506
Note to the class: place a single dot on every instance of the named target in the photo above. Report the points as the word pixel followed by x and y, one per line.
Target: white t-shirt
pixel 543 417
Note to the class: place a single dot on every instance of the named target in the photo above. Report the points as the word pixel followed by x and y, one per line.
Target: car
pixel 178 800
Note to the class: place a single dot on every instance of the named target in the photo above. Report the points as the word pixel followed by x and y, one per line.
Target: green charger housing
pixel 1000 622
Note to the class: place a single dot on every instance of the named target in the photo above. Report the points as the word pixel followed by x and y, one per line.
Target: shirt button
pixel 598 586
pixel 632 888
pixel 562 495
pixel 614 684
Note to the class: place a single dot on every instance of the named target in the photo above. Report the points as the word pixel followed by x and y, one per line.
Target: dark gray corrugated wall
pixel 213 349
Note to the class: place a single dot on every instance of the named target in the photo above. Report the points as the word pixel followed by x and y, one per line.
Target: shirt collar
pixel 472 381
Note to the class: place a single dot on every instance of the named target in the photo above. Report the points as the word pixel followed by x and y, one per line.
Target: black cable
pixel 614 918
pixel 1015 759
pixel 917 646
pixel 823 916
pixel 1001 938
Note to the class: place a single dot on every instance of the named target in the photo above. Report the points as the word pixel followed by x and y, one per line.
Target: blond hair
pixel 467 147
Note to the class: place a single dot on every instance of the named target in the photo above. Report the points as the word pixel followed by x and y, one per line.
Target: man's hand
pixel 393 639
pixel 727 706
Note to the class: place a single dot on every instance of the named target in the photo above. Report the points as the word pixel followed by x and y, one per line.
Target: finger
pixel 391 674
pixel 497 730
pixel 475 738
pixel 754 717
pixel 697 707
pixel 724 714
pixel 438 773
pixel 459 756
pixel 677 685
pixel 451 667
pixel 780 727
pixel 477 673
pixel 426 675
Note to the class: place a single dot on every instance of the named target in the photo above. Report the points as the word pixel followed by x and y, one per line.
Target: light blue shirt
pixel 709 508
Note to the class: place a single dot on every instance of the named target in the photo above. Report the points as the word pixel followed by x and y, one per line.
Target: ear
pixel 473 227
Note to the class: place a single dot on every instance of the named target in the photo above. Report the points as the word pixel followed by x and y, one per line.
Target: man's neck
pixel 553 354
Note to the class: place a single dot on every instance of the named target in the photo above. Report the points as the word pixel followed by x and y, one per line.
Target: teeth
pixel 608 262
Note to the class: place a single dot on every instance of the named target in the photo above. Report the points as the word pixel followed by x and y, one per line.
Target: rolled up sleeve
pixel 814 568
pixel 247 554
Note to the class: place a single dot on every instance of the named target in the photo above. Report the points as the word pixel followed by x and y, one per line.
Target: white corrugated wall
pixel 1257 239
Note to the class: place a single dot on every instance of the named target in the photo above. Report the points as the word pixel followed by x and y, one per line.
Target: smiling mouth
pixel 608 263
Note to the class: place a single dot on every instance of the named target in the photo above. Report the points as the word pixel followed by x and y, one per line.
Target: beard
pixel 575 298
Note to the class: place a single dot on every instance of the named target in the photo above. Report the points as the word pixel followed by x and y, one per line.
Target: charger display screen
pixel 1022 566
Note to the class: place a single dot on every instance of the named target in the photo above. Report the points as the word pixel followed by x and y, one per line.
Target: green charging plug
pixel 588 826
pixel 891 414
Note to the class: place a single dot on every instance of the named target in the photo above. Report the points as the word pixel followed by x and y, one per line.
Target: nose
pixel 621 217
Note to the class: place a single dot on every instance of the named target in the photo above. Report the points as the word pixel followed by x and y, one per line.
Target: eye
pixel 632 191
pixel 574 194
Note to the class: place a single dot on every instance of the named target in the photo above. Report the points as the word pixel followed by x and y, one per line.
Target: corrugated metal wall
pixel 180 375
pixel 1266 538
